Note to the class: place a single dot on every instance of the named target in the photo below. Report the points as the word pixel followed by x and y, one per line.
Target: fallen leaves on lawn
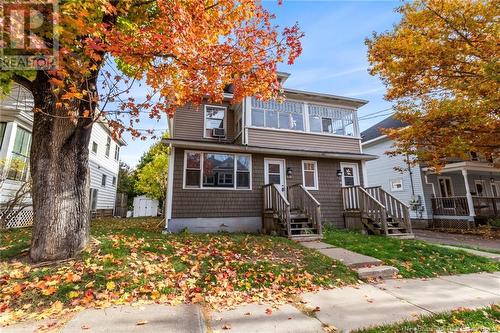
pixel 216 270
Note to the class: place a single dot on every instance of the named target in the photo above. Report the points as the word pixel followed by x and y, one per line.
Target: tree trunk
pixel 59 171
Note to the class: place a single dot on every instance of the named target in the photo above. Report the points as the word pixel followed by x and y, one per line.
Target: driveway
pixel 457 239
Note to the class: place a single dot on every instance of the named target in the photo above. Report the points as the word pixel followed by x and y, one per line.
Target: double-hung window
pixel 19 164
pixel 215 118
pixel 310 175
pixel 217 170
pixel 272 114
pixel 117 153
pixel 108 146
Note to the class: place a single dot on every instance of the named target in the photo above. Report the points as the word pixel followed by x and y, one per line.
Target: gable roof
pixel 375 131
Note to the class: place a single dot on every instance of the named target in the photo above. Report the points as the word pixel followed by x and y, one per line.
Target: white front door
pixel 350 174
pixel 274 173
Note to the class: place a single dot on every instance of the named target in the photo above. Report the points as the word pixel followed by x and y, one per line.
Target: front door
pixel 350 174
pixel 274 173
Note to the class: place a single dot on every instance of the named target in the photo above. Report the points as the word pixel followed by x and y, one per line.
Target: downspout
pixel 411 174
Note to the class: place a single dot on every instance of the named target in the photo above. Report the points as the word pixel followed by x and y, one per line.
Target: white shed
pixel 144 206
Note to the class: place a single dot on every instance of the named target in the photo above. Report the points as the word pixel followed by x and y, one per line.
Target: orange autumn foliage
pixel 440 66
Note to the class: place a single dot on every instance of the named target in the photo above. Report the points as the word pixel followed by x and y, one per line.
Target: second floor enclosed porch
pixel 303 120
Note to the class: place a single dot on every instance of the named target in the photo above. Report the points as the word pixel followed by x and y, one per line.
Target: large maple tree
pixel 184 50
pixel 441 67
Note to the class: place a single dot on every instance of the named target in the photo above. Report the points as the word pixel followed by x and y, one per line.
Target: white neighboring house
pixel 16 120
pixel 466 192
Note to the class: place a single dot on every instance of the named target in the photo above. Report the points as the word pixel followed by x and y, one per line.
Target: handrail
pixel 302 199
pixel 357 198
pixel 275 201
pixel 397 210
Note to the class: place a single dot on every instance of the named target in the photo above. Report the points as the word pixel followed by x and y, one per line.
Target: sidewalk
pixel 344 308
pixel 457 239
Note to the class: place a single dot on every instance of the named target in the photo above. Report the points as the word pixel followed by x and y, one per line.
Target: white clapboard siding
pixel 381 171
pixel 100 164
pixel 15 111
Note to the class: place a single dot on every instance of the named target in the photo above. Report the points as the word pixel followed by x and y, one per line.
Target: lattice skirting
pixel 23 219
pixel 452 223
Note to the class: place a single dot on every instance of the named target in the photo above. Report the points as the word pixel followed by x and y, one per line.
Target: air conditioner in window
pixel 218 133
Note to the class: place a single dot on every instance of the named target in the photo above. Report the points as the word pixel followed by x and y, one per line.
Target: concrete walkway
pixel 343 308
pixel 489 255
pixel 367 267
pixel 457 239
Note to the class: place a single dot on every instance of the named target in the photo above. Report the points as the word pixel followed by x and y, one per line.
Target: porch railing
pixel 301 199
pixel 357 198
pixel 275 201
pixel 450 206
pixel 396 209
pixel 486 206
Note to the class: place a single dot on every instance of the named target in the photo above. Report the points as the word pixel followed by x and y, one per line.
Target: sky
pixel 333 60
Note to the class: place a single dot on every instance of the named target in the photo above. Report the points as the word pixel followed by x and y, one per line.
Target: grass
pixel 134 262
pixel 482 320
pixel 413 258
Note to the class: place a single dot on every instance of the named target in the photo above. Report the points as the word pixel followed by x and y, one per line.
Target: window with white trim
pixel 217 170
pixel 310 175
pixel 332 119
pixel 108 146
pixel 397 185
pixel 215 117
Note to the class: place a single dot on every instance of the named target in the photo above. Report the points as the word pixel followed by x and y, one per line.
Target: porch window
pixel 272 114
pixel 310 175
pixel 445 187
pixel 217 170
pixel 215 117
pixel 331 119
pixel 19 165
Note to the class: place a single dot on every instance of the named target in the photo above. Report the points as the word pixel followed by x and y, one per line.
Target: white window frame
pixel 394 181
pixel 235 173
pixel 495 185
pixel 96 148
pixel 316 185
pixel 104 179
pixel 483 184
pixel 452 190
pixel 356 172
pixel 224 121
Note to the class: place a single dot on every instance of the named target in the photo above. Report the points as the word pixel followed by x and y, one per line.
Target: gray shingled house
pixel 283 168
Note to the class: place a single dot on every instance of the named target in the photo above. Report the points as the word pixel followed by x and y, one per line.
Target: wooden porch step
pixel 298 216
pixel 300 229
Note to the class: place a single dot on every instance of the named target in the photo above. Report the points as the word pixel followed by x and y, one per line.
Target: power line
pixel 374 113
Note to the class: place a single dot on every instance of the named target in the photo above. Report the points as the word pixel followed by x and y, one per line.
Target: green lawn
pixel 133 261
pixel 482 320
pixel 413 258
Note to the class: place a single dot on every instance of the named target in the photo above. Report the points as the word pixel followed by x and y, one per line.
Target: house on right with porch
pixel 463 194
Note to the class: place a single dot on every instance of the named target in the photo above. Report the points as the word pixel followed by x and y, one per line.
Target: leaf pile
pixel 135 263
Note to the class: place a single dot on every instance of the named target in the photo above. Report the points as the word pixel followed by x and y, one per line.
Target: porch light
pixel 289 172
pixel 492 180
pixel 339 173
